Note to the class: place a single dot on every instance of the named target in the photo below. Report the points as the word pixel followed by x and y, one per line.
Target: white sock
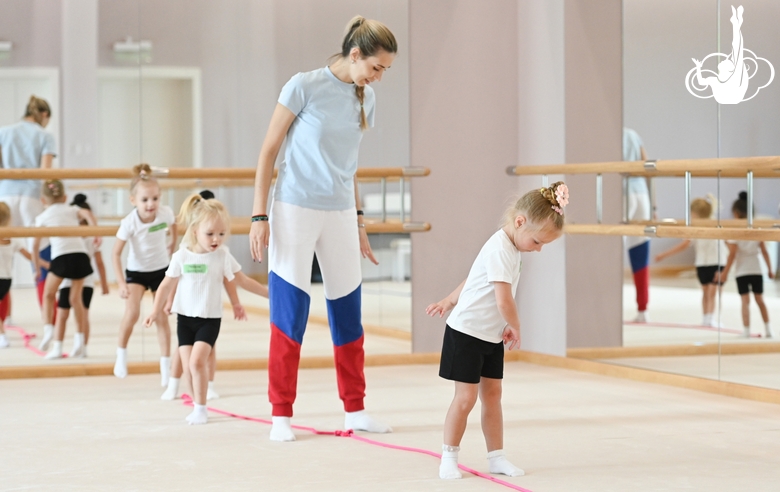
pixel 55 352
pixel 706 320
pixel 3 341
pixel 499 464
pixel 78 346
pixel 120 366
pixel 48 334
pixel 448 468
pixel 746 331
pixel 281 429
pixel 165 371
pixel 360 420
pixel 768 329
pixel 173 390
pixel 199 415
pixel 211 394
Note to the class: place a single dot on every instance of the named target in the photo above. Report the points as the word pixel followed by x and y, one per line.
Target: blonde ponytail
pixel 196 210
pixel 37 109
pixel 143 173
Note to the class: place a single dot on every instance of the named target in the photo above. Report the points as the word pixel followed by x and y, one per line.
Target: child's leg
pixel 708 298
pixel 212 394
pixel 493 427
pixel 454 427
pixel 761 306
pixel 198 365
pixel 59 332
pixel 164 339
pixel 132 312
pixel 50 288
pixel 177 372
pixel 746 312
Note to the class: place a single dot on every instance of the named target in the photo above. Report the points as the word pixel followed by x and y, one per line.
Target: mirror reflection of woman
pixel 27 145
pixel 316 209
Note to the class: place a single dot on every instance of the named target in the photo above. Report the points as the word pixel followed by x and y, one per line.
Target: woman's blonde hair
pixel 540 207
pixel 194 211
pixel 36 108
pixel 5 214
pixel 369 36
pixel 705 207
pixel 54 190
pixel 143 173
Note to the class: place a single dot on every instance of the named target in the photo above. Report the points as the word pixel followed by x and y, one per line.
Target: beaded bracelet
pixel 260 218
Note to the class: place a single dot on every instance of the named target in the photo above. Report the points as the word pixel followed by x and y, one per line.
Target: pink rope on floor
pixel 350 434
pixel 27 337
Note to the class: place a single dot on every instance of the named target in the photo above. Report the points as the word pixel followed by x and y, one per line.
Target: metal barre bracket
pixel 651 230
pixel 160 171
pixel 415 171
pixel 651 166
pixel 510 170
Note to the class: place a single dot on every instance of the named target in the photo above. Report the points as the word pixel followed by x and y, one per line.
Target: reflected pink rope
pixel 27 337
pixel 349 434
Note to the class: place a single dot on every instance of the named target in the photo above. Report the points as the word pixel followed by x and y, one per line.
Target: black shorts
pixel 63 301
pixel 706 273
pixel 5 286
pixel 150 280
pixel 74 266
pixel 191 330
pixel 467 359
pixel 750 282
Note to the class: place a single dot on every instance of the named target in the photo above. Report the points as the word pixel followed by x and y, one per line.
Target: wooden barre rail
pixel 673 231
pixel 186 184
pixel 239 226
pixel 191 173
pixel 730 223
pixel 732 167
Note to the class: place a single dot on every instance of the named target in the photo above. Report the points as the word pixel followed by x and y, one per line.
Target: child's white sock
pixel 281 429
pixel 360 420
pixel 172 392
pixel 165 370
pixel 211 394
pixel 4 341
pixel 77 351
pixel 448 469
pixel 199 415
pixel 499 464
pixel 55 352
pixel 706 320
pixel 48 334
pixel 120 366
pixel 746 332
pixel 768 330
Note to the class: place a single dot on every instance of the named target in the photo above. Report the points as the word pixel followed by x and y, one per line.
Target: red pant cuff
pixel 354 405
pixel 283 410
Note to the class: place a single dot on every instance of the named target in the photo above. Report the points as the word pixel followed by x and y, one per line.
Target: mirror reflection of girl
pixel 743 255
pixel 710 259
pixel 81 337
pixel 69 258
pixel 145 229
pixel 8 249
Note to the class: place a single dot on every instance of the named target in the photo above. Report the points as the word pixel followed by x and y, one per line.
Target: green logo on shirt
pixel 196 268
pixel 159 227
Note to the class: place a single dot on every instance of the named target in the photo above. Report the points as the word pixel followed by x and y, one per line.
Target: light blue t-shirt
pixel 22 145
pixel 632 151
pixel 321 156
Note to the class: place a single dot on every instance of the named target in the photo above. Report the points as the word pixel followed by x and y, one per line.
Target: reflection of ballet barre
pixel 205 183
pixel 674 231
pixel 238 226
pixel 732 167
pixel 761 223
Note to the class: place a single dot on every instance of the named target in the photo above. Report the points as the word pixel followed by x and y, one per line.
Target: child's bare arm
pixel 101 267
pixel 508 309
pixel 765 254
pixel 167 286
pixel 26 254
pixel 36 257
pixel 251 285
pixel 238 310
pixel 445 304
pixel 723 275
pixel 116 258
pixel 673 250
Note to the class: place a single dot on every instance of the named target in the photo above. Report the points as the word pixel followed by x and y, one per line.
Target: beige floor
pixel 571 431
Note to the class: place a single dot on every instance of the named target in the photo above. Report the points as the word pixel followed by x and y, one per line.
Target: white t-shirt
pixel 62 215
pixel 710 252
pixel 199 292
pixel 746 261
pixel 148 241
pixel 7 252
pixel 321 156
pixel 476 313
pixel 89 280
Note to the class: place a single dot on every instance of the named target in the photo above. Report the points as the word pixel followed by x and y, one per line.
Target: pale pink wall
pixel 33 26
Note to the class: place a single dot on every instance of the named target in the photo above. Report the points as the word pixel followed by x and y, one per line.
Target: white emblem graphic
pixel 730 84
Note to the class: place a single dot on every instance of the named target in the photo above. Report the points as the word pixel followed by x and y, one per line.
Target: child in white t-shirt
pixel 81 338
pixel 196 274
pixel 710 259
pixel 69 258
pixel 484 318
pixel 747 270
pixel 8 249
pixel 146 230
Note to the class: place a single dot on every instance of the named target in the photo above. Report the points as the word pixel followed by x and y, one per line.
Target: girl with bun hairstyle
pixel 27 145
pixel 316 209
pixel 69 258
pixel 743 255
pixel 484 318
pixel 146 229
pixel 81 338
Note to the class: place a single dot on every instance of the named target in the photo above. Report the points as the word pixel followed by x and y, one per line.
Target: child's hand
pixel 511 337
pixel 239 313
pixel 151 319
pixel 105 290
pixel 97 242
pixel 168 306
pixel 439 308
pixel 123 292
pixel 659 258
pixel 771 275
